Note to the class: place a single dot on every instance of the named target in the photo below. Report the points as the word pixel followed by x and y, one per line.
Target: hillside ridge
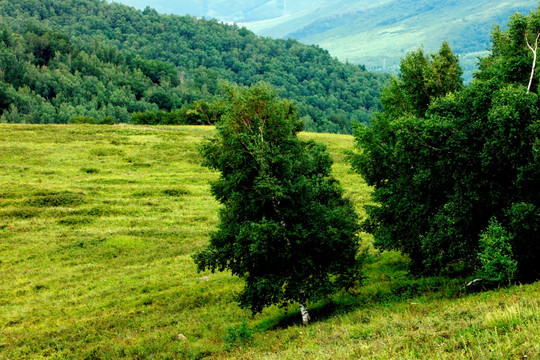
pixel 375 34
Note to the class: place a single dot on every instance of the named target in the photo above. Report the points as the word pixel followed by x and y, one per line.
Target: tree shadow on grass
pixel 380 294
pixel 318 312
pixel 387 282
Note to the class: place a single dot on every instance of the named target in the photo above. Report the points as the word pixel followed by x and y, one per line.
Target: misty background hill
pixel 375 33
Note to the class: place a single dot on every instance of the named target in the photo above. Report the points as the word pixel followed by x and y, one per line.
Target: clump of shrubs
pixel 82 119
pixel 238 336
pixel 497 264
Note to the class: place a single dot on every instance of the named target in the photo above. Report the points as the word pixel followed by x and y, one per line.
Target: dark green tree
pixel 421 79
pixel 285 227
pixel 497 263
pixel 442 174
pixel 44 43
pixel 511 60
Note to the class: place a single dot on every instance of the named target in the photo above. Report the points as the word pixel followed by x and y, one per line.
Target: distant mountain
pixel 230 10
pixel 376 33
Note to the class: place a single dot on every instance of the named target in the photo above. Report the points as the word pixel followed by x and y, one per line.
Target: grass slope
pixel 97 224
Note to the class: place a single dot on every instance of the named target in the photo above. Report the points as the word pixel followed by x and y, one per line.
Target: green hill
pixel 97 225
pixel 64 58
pixel 381 35
pixel 373 33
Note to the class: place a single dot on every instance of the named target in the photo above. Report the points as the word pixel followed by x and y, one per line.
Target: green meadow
pixel 97 226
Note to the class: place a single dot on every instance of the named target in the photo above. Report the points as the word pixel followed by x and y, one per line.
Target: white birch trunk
pixel 534 50
pixel 532 72
pixel 305 314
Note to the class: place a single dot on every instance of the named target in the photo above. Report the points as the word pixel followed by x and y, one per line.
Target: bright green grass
pixel 97 224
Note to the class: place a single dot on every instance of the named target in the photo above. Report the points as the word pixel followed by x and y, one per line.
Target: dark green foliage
pixel 421 79
pixel 6 35
pixel 199 112
pixel 524 222
pixel 497 263
pixel 511 59
pixel 285 226
pixel 106 120
pixel 240 335
pixel 99 59
pixel 44 43
pixel 202 112
pixel 155 118
pixel 444 165
pixel 157 71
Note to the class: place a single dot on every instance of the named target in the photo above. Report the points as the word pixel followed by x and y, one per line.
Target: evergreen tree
pixel 285 226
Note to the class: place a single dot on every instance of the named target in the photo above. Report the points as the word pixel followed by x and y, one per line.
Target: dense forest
pixel 88 60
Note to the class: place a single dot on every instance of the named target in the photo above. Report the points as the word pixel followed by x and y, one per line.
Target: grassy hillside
pixel 230 11
pixel 97 224
pixel 378 34
pixel 379 37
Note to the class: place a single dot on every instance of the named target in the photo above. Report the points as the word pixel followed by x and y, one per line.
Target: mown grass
pixel 97 225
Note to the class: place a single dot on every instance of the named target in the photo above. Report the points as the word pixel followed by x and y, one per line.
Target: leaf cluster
pixel 496 257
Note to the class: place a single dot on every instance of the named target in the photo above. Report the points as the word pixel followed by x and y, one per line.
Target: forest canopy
pixel 66 58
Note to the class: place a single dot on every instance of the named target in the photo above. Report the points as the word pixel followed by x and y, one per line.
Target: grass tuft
pixel 56 199
pixel 514 315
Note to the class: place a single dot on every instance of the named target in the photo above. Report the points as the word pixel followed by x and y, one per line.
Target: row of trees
pixel 151 62
pixel 455 170
pixel 47 78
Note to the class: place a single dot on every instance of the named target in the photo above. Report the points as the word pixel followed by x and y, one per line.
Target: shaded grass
pixel 55 199
pixel 97 225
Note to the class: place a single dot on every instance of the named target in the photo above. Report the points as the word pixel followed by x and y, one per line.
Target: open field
pixel 97 224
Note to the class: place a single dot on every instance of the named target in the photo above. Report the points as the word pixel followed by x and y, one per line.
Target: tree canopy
pixel 285 226
pixel 452 165
pixel 94 58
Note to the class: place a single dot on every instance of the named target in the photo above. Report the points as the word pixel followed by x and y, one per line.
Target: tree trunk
pixel 532 72
pixel 305 314
pixel 534 50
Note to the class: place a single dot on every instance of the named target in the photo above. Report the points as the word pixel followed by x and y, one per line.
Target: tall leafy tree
pixel 421 79
pixel 511 60
pixel 285 226
pixel 444 174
